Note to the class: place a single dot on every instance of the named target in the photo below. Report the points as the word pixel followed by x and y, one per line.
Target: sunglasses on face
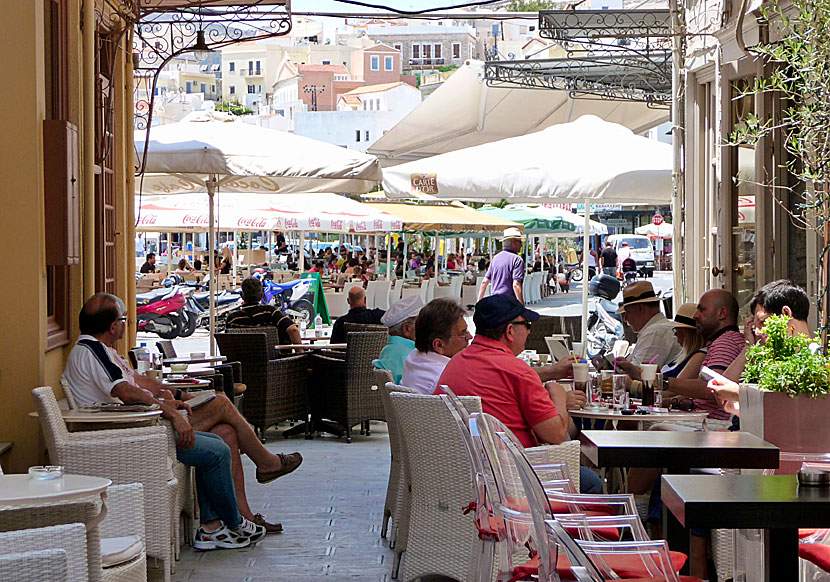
pixel 527 324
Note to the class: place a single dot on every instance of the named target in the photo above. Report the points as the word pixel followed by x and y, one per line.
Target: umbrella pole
pixel 389 269
pixel 405 255
pixel 236 254
pixel 211 189
pixel 586 248
pixel 302 251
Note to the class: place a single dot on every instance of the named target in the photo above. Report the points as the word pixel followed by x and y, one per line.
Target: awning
pixel 444 218
pixel 254 212
pixel 534 222
pixel 465 112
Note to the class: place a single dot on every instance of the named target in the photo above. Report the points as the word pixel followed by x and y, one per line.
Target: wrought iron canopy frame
pixel 167 29
pixel 611 54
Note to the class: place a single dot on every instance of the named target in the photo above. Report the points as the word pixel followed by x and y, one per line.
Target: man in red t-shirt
pixel 509 389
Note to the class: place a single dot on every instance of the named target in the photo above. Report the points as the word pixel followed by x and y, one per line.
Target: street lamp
pixel 200 49
pixel 314 90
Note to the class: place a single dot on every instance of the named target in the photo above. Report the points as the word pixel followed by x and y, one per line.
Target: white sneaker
pixel 250 530
pixel 221 539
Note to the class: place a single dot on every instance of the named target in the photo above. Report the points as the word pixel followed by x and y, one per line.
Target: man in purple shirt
pixel 507 271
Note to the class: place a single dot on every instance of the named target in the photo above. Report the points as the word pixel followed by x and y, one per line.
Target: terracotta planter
pixel 799 424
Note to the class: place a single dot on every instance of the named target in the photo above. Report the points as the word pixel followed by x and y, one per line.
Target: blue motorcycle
pixel 290 297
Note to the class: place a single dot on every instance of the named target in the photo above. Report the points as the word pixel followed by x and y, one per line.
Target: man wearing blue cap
pixel 509 389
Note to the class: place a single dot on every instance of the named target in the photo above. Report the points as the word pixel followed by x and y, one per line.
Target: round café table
pixel 199 360
pixel 21 489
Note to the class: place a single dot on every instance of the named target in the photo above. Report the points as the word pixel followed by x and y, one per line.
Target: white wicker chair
pixel 132 455
pixel 34 566
pixel 187 508
pixel 397 494
pixel 44 554
pixel 440 539
pixel 125 517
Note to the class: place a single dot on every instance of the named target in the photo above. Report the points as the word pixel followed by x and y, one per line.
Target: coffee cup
pixel 580 372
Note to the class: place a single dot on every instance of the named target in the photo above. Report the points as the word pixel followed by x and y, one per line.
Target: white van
pixel 641 249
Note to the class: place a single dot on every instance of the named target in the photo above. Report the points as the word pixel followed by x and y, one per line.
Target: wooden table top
pixel 745 501
pixel 678 451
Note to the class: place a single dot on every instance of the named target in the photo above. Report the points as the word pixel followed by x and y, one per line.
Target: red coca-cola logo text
pixel 195 219
pixel 292 224
pixel 147 219
pixel 337 225
pixel 378 224
pixel 314 222
pixel 258 222
pixel 360 226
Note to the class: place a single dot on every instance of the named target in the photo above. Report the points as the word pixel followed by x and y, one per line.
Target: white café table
pixel 615 416
pixel 21 489
pixel 107 417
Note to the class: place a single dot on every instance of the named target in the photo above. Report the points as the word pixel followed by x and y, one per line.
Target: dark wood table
pixel 677 452
pixel 775 503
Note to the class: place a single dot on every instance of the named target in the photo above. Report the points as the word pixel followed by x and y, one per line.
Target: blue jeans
pixel 589 482
pixel 211 458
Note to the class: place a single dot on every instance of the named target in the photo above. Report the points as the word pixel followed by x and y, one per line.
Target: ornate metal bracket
pixel 612 54
pixel 168 28
pixel 622 77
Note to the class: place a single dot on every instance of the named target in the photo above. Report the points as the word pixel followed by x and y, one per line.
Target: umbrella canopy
pixel 588 160
pixel 247 158
pixel 444 218
pixel 464 112
pixel 576 220
pixel 663 230
pixel 254 212
pixel 534 223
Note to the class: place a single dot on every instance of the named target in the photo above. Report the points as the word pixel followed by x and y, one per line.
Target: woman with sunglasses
pixel 687 364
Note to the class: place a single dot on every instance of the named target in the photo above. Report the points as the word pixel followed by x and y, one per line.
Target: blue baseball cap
pixel 496 310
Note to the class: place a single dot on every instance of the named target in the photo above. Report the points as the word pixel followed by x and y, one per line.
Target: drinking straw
pixel 651 361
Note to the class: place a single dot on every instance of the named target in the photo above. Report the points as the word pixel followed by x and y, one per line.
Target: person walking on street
pixel 608 258
pixel 507 271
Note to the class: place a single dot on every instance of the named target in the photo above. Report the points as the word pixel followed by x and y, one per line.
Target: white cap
pixel 402 310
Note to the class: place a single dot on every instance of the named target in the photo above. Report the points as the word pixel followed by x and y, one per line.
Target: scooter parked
pixel 605 327
pixel 289 297
pixel 161 312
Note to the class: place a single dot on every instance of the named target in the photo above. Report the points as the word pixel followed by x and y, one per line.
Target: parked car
pixel 640 247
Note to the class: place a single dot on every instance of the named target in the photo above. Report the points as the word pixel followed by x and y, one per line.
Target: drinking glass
pixel 648 374
pixel 620 391
pixel 595 391
pixel 580 376
pixel 658 390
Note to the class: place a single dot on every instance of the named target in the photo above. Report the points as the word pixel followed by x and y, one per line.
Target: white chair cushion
pixel 115 551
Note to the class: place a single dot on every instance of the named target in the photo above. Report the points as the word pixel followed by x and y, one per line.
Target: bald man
pixel 357 314
pixel 717 321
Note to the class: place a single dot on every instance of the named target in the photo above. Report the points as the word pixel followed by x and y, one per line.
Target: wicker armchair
pixel 343 388
pixel 125 517
pixel 440 482
pixel 130 455
pixel 546 326
pixel 44 553
pixel 347 327
pixel 397 490
pixel 35 566
pixel 276 387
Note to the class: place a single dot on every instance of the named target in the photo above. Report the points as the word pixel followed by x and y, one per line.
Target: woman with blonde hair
pixel 226 263
pixel 687 364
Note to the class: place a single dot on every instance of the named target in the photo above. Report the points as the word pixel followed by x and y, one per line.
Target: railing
pixel 423 61
pixel 251 72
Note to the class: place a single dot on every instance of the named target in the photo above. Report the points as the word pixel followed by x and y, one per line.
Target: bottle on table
pixel 142 356
pixel 318 325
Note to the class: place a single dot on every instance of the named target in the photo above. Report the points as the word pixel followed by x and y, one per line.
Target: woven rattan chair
pixel 345 390
pixel 166 348
pixel 132 455
pixel 439 538
pixel 547 325
pixel 34 566
pixel 347 327
pixel 125 517
pixel 44 554
pixel 276 387
pixel 397 495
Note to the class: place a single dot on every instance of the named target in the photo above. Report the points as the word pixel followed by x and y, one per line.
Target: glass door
pixel 743 177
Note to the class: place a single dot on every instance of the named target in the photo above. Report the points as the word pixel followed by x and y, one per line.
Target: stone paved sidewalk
pixel 331 508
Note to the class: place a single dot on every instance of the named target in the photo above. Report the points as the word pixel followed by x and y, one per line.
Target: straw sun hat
pixel 685 316
pixel 639 292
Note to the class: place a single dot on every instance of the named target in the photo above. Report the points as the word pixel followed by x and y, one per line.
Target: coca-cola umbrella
pixel 211 153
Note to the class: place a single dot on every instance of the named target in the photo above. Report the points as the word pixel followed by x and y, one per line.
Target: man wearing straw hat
pixel 656 343
pixel 507 271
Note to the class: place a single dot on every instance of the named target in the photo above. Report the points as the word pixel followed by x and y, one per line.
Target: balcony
pixel 425 63
pixel 250 72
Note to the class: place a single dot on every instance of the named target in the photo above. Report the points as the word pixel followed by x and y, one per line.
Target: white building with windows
pixel 363 115
pixel 425 47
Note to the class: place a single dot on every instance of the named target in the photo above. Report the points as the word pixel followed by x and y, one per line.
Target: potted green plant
pixel 784 387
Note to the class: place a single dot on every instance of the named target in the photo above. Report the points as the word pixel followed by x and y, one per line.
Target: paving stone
pixel 331 508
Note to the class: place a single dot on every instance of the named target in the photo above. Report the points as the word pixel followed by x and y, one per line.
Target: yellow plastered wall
pixel 23 288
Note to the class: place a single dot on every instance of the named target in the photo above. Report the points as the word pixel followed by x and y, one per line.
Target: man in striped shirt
pixel 717 322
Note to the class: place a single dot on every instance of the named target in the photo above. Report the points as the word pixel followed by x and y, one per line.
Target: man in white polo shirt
pixel 440 333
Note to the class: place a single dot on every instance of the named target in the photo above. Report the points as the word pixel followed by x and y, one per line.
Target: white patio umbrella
pixel 662 230
pixel 209 153
pixel 464 112
pixel 588 160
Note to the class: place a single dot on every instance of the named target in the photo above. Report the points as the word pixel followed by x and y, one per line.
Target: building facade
pixel 67 230
pixel 738 231
pixel 425 47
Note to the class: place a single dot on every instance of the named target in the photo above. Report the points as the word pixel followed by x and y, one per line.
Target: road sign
pixel 657 220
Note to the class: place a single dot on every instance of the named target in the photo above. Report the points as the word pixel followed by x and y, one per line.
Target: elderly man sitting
pixel 400 319
pixel 440 333
pixel 358 313
pixel 96 373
